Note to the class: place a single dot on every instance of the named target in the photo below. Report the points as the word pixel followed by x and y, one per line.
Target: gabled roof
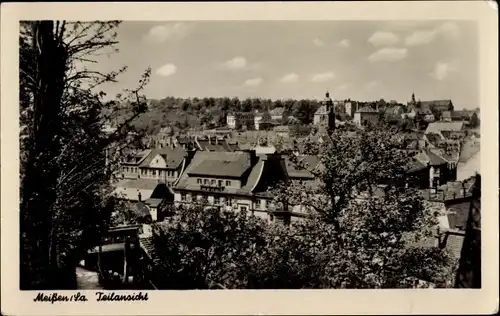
pixel 437 127
pixel 224 164
pixel 173 157
pixel 136 158
pixel 367 109
pixel 426 156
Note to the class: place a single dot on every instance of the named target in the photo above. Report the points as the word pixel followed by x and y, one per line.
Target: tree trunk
pixel 38 194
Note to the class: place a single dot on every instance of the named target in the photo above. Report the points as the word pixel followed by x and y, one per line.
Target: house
pixel 267 119
pixel 325 114
pixel 470 159
pixel 236 120
pixel 232 180
pixel 459 230
pixel 453 128
pixel 366 115
pixel 430 169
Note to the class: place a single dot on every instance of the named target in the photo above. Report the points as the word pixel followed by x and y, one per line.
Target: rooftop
pixel 366 109
pixel 437 127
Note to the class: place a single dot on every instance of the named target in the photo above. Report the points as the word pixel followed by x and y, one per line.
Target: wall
pixel 234 184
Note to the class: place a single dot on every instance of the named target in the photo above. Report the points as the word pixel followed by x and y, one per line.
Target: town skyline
pixel 360 60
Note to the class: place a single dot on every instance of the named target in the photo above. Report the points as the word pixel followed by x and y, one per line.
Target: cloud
pixel 344 43
pixel 421 38
pixel 448 30
pixel 289 78
pixel 383 38
pixel 323 77
pixel 442 70
pixel 318 42
pixel 389 54
pixel 169 31
pixel 253 82
pixel 166 70
pixel 236 63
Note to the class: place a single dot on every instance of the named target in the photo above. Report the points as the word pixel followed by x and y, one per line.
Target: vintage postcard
pixel 249 158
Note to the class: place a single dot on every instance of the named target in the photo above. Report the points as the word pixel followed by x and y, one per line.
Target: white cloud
pixel 344 43
pixel 323 77
pixel 166 70
pixel 169 31
pixel 253 82
pixel 448 30
pixel 383 38
pixel 442 70
pixel 289 78
pixel 389 54
pixel 421 37
pixel 236 63
pixel 318 42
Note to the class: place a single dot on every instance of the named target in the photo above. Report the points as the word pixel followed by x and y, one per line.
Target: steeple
pixel 413 97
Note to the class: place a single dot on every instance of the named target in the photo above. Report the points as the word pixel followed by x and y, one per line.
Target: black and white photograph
pixel 183 154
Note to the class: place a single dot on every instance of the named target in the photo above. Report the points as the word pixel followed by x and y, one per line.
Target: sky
pixel 361 60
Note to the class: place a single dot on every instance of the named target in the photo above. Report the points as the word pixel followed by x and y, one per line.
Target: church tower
pixel 330 111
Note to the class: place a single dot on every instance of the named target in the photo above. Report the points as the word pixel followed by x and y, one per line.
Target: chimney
pixel 139 196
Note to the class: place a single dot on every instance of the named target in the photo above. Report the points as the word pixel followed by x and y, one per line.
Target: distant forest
pixel 181 114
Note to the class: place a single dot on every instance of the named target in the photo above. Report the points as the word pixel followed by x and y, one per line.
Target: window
pixel 205 181
pixel 154 172
pixel 228 202
pixel 213 182
pixel 243 208
pixel 198 181
pixel 183 197
pixel 228 183
pixel 220 183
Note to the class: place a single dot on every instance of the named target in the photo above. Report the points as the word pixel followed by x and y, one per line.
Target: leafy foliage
pixel 66 160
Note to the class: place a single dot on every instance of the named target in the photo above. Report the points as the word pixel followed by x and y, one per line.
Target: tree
pixel 474 120
pixel 370 230
pixel 67 161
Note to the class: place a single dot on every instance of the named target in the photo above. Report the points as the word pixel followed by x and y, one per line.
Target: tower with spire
pixel 325 115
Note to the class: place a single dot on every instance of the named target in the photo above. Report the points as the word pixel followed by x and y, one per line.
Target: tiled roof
pixel 232 164
pixel 130 189
pixel 437 127
pixel 239 157
pixel 367 109
pixel 426 156
pixel 137 158
pixel 173 157
pixel 223 168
